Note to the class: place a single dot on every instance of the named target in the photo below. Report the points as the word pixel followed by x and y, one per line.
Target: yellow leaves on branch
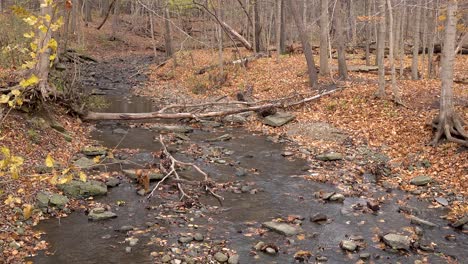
pixel 32 80
pixel 10 164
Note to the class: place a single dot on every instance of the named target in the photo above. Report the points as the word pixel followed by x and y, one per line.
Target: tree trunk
pixel 416 38
pixel 115 20
pixel 105 7
pixel 304 13
pixel 311 69
pixel 42 67
pixel 352 22
pixel 424 39
pixel 167 33
pixel 87 9
pixel 220 39
pixel 283 31
pixel 448 123
pixel 324 70
pixel 153 39
pixel 402 37
pixel 381 50
pixel 237 36
pixel 396 93
pixel 278 28
pixel 368 32
pixel 341 38
pixel 257 28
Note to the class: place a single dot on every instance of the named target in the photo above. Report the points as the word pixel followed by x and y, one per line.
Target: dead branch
pixel 243 61
pixel 111 6
pixel 279 103
pixel 172 171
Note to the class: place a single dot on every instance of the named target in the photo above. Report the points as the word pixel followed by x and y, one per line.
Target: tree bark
pixel 278 29
pixel 324 70
pixel 368 32
pixel 115 20
pixel 381 50
pixel 448 123
pixel 167 33
pixel 237 36
pixel 42 67
pixel 396 93
pixel 311 69
pixel 257 27
pixel 416 38
pixel 341 38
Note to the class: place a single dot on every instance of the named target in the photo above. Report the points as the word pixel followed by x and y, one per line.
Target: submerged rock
pixel 99 213
pixel 278 119
pixel 281 228
pixel 396 241
pixel 224 137
pixel 421 180
pixel 77 189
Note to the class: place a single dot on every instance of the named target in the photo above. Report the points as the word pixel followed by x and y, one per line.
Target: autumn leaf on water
pixel 49 162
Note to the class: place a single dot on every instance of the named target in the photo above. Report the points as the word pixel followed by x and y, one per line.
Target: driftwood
pixel 169 166
pixel 251 107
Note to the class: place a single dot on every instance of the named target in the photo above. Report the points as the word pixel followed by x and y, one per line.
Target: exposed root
pixel 451 128
pixel 169 165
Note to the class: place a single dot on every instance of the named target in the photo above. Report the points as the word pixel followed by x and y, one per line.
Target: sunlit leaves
pixel 49 161
pixel 27 211
pixel 10 163
pixel 12 201
pixel 83 176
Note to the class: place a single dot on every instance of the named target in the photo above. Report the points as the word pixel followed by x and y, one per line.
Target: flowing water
pixel 281 192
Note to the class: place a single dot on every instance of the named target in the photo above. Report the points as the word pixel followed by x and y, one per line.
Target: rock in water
pixel 421 180
pixel 348 245
pixel 460 222
pixel 77 189
pixel 99 213
pixel 42 199
pixel 58 200
pixel 281 228
pixel 396 241
pixel 94 151
pixel 233 259
pixel 330 156
pixel 319 217
pixel 84 163
pixel 278 119
pixel 221 257
pixel 419 221
pixel 442 201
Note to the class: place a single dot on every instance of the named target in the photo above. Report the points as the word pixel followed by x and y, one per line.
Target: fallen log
pixel 243 61
pixel 162 115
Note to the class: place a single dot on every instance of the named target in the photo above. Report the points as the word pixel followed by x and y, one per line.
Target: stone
pixel 126 228
pixel 329 156
pixel 396 241
pixel 421 180
pixel 321 259
pixel 182 136
pixel 224 137
pixel 246 188
pixel 57 126
pixel 287 154
pixel 15 245
pixel 235 119
pixel 240 172
pixel 42 199
pixel 98 214
pixel 67 137
pixel 318 217
pixel 233 259
pixel 94 151
pixel 79 189
pixel 419 221
pixel 348 245
pixel 141 192
pixel 259 246
pixel 58 200
pixel 364 256
pixel 84 163
pixel 185 239
pixel 270 251
pixel 133 241
pixel 108 236
pixel 112 182
pixel 166 258
pixel 337 197
pixel 128 249
pixel 409 210
pixel 373 205
pixel 198 237
pixel 442 201
pixel 278 119
pixel 282 228
pixel 460 222
pixel 221 257
pixel 172 128
pixel 120 131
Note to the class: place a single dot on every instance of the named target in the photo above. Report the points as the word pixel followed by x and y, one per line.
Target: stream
pixel 271 188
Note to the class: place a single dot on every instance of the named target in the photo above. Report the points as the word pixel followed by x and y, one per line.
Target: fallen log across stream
pixel 250 107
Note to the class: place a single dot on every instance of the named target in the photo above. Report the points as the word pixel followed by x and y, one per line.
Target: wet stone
pixel 321 259
pixel 348 245
pixel 281 228
pixel 442 201
pixel 98 214
pixel 419 221
pixel 318 217
pixel 278 119
pixel 364 256
pixel 233 259
pixel 396 241
pixel 330 156
pixel 337 197
pixel 259 246
pixel 221 257
pixel 112 182
pixel 240 172
pixel 198 237
pixel 270 251
pixel 287 154
pixel 166 258
pixel 185 239
pixel 126 228
pixel 421 180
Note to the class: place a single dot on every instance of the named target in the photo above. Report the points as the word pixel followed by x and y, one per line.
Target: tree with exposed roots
pixel 448 123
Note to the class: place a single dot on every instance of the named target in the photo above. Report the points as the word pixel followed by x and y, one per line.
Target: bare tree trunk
pixel 416 37
pixel 167 33
pixel 341 38
pixel 115 20
pixel 352 22
pixel 153 39
pixel 236 35
pixel 368 32
pixel 381 50
pixel 396 93
pixel 257 27
pixel 424 39
pixel 220 39
pixel 432 36
pixel 278 28
pixel 324 70
pixel 304 13
pixel 312 71
pixel 2 5
pixel 105 7
pixel 283 26
pixel 42 67
pixel 74 16
pixel 402 37
pixel 87 10
pixel 448 123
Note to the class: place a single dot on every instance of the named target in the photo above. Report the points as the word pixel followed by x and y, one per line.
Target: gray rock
pixel 99 213
pixel 287 154
pixel 278 119
pixel 348 245
pixel 172 128
pixel 221 257
pixel 235 119
pixel 442 201
pixel 94 151
pixel 337 197
pixel 57 126
pixel 460 222
pixel 166 259
pixel 240 172
pixel 246 188
pixel 330 156
pixel 321 259
pixel 42 199
pixel 318 217
pixel 281 228
pixel 270 251
pixel 58 200
pixel 84 163
pixel 77 189
pixel 421 180
pixel 112 182
pixel 198 237
pixel 126 228
pixel 133 241
pixel 210 124
pixel 233 259
pixel 364 256
pixel 128 249
pixel 259 246
pixel 396 241
pixel 15 245
pixel 419 221
pixel 185 239
pixel 224 137
pixel 409 210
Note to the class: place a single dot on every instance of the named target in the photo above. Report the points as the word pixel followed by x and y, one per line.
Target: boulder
pixel 58 200
pixel 79 189
pixel 278 119
pixel 94 151
pixel 221 257
pixel 396 241
pixel 421 180
pixel 42 199
pixel 233 259
pixel 172 128
pixel 235 119
pixel 84 163
pixel 282 228
pixel 99 213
